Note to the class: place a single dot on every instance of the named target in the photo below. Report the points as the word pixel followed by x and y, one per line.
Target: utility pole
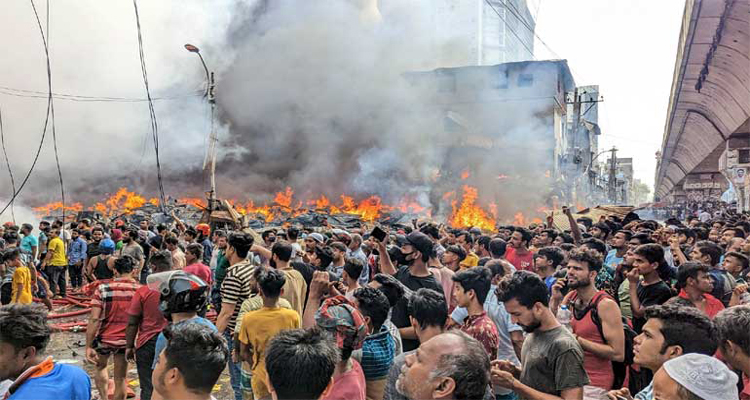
pixel 612 183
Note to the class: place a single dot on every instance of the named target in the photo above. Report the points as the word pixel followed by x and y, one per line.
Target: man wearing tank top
pixel 598 350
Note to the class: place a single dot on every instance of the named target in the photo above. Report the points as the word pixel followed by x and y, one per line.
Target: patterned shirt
pixel 113 298
pixel 236 288
pixel 377 354
pixel 481 328
pixel 605 280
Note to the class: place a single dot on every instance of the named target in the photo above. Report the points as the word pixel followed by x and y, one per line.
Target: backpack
pixel 638 379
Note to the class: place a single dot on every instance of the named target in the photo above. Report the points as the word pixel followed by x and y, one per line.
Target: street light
pixel 210 160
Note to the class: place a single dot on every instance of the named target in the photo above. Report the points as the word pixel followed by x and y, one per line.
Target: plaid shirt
pixel 482 328
pixel 113 298
pixel 377 354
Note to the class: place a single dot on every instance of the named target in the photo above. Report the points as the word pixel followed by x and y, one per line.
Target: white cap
pixel 704 376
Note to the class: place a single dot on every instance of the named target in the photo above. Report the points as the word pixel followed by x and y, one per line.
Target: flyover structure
pixel 706 142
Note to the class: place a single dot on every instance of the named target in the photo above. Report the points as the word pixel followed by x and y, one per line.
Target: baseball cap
pixel 317 237
pixel 421 242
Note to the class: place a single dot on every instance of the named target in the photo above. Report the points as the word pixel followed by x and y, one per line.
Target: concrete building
pixel 480 32
pixel 707 133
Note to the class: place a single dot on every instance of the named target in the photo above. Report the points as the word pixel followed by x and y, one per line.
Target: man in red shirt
pixel 105 335
pixel 470 291
pixel 732 326
pixel 147 321
pixel 696 284
pixel 193 257
pixel 518 254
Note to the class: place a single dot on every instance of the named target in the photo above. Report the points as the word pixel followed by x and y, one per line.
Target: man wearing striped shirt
pixel 235 289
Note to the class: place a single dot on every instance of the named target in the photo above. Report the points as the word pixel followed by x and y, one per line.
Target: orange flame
pixel 469 214
pixel 465 174
pixel 284 198
pixel 57 207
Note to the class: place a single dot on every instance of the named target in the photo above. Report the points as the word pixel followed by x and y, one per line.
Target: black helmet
pixel 179 291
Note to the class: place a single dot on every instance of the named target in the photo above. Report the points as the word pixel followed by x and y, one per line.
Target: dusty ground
pixel 70 348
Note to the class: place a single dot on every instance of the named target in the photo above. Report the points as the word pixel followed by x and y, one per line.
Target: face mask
pixel 406 260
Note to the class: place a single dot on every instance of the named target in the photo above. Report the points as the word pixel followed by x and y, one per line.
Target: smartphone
pixel 378 234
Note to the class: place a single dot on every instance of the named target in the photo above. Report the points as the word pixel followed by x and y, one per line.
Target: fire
pixel 122 202
pixel 194 201
pixel 57 207
pixel 465 174
pixel 469 214
pixel 284 199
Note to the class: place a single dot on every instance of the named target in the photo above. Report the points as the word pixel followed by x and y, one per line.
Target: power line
pixel 513 10
pixel 71 97
pixel 7 163
pixel 152 112
pixel 45 40
pixel 510 29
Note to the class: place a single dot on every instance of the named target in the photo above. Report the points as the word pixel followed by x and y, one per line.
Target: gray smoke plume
pixel 310 95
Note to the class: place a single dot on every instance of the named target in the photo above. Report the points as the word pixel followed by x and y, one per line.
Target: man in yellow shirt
pixel 21 278
pixel 55 263
pixel 258 327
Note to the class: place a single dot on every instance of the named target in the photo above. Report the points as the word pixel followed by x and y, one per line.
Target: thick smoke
pixel 311 95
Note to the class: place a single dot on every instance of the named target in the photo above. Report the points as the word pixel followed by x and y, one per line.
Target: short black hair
pixel 11 237
pixel 171 240
pixel 161 260
pixel 688 232
pixel 652 252
pixel 241 243
pixel 689 270
pixel 457 250
pixel 526 287
pixel 484 241
pixel 264 235
pixel 292 233
pixel 496 268
pixel 551 233
pixel 525 234
pixel 195 249
pixel 429 308
pixel 469 239
pixel 595 244
pixel 497 247
pixel 593 262
pixel 270 281
pixel 603 227
pixel 391 287
pixel 478 279
pixel 710 249
pixel 685 327
pixel 325 255
pixel 353 267
pixel 642 238
pixel 733 324
pixel 24 325
pixel 741 257
pixel 125 264
pixel 373 303
pixel 282 250
pixel 198 352
pixel 11 254
pixel 738 231
pixel 628 234
pixel 552 253
pixel 300 363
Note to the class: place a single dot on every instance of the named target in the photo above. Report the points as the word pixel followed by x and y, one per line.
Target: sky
pixel 628 48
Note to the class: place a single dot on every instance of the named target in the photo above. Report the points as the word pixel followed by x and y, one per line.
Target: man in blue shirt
pixel 76 257
pixel 22 359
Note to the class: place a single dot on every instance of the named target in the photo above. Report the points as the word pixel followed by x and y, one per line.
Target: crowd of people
pixel 619 308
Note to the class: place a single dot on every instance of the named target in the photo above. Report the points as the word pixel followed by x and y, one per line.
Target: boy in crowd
pixel 472 287
pixel 732 327
pixel 651 290
pixel 546 261
pixel 377 352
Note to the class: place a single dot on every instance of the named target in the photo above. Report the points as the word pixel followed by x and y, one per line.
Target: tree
pixel 640 192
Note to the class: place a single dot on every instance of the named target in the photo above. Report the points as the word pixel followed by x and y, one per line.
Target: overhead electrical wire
pixel 71 97
pixel 531 52
pixel 152 112
pixel 16 192
pixel 7 163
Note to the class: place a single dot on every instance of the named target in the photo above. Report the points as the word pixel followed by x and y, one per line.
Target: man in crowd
pixel 651 289
pixel 619 244
pixel 300 364
pixel 552 358
pixel 195 266
pixel 92 248
pixel 295 288
pixel 259 326
pixel 498 249
pixel 178 256
pixel 146 321
pixel 235 289
pixel 466 241
pixel 133 249
pixel 428 315
pixel 599 349
pixel 29 243
pixel 205 240
pixel 377 352
pixel 24 336
pixel 339 258
pixel 76 258
pixel 471 290
pixel 695 377
pixel 453 257
pixel 451 365
pixel 55 263
pixel 519 254
pixel 710 253
pixel 191 363
pixel 546 262
pixel 669 332
pixel 350 276
pixel 695 288
pixel 105 334
pixel 732 327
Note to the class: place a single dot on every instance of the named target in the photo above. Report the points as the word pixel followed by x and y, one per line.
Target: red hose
pixel 69 314
pixel 76 302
